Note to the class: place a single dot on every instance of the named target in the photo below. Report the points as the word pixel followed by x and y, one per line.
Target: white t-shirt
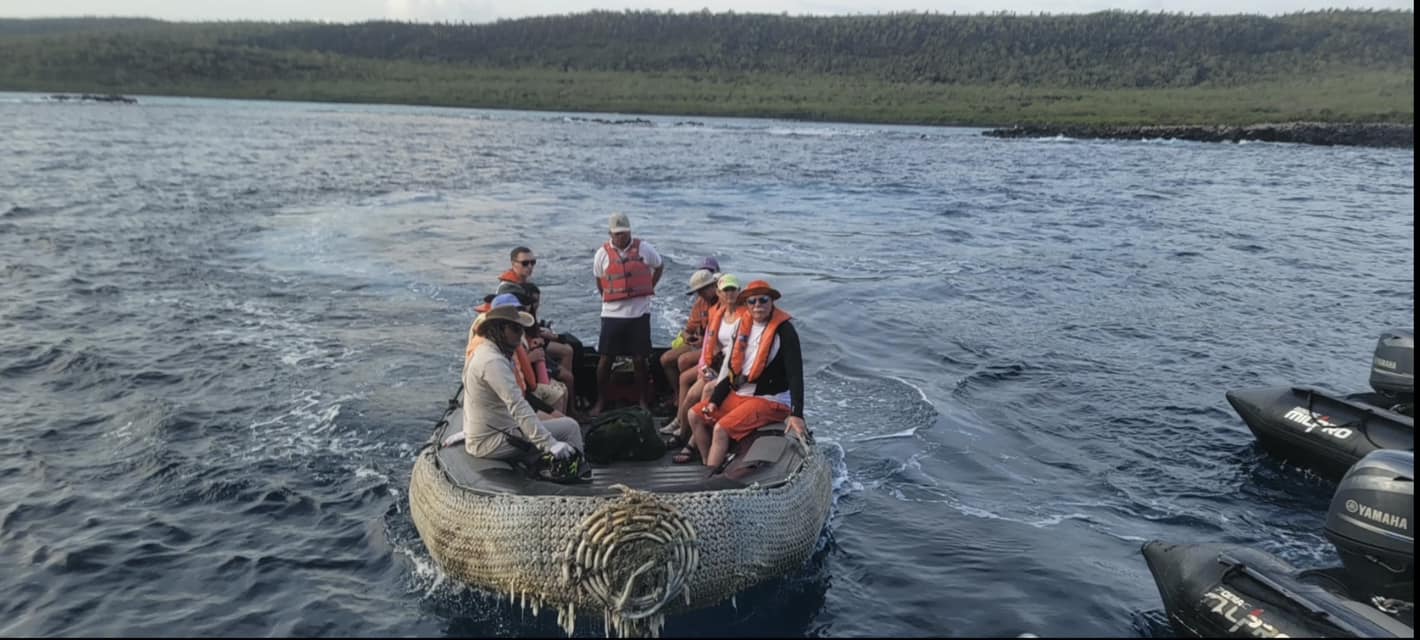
pixel 726 338
pixel 627 307
pixel 751 352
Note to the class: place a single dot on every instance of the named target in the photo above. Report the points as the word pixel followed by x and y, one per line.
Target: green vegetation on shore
pixel 1116 68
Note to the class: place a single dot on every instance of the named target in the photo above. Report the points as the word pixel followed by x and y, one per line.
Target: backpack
pixel 623 434
pixel 571 470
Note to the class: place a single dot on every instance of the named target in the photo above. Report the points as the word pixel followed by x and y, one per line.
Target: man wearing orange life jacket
pixel 627 271
pixel 518 280
pixel 521 269
pixel 766 381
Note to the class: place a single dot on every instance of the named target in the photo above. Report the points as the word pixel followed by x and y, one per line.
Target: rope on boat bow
pixel 634 555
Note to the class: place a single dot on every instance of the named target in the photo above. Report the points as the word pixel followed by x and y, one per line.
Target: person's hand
pixel 795 423
pixel 707 373
pixel 561 450
pixel 709 409
pixel 536 355
pixel 547 334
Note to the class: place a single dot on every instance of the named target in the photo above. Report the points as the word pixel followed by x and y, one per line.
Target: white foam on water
pixel 308 427
pixel 397 198
pixel 818 132
pixel 906 433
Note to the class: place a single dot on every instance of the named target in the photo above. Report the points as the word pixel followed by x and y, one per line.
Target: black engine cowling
pixel 1370 523
pixel 1393 368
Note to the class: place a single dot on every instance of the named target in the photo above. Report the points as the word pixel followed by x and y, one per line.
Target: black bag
pixel 573 469
pixel 623 434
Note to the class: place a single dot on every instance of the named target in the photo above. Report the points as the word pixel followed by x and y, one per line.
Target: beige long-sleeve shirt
pixel 492 401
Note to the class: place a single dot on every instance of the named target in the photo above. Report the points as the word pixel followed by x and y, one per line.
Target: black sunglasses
pixel 528 263
pixel 758 300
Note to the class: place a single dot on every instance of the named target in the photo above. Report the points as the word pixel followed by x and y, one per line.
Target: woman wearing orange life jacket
pixel 685 351
pixel 766 381
pixel 720 331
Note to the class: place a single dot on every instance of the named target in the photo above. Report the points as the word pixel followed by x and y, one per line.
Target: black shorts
pixel 626 337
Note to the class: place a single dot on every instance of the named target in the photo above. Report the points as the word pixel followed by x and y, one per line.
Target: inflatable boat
pixel 1329 432
pixel 635 542
pixel 1217 590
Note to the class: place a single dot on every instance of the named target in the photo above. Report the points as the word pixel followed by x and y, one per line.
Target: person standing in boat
pixel 627 271
pixel 765 382
pixel 498 422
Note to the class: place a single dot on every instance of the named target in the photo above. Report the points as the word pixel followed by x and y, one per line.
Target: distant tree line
pixel 1109 50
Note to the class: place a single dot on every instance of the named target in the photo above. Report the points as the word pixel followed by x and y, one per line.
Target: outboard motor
pixel 1370 523
pixel 1393 369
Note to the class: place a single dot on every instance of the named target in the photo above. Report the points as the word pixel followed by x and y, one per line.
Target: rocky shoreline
pixel 93 97
pixel 1362 134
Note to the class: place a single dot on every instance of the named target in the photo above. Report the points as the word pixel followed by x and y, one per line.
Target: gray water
pixel 225 327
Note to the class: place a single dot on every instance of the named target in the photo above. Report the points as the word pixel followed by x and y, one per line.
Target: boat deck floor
pixel 763 458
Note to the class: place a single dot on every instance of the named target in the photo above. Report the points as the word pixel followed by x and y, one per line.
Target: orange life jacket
pixel 513 277
pixel 711 341
pixel 766 345
pixel 627 276
pixel 698 320
pixel 522 366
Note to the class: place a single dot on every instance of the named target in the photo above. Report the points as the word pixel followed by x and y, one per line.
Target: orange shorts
pixel 740 415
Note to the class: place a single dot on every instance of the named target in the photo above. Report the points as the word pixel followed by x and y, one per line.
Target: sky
pixel 490 10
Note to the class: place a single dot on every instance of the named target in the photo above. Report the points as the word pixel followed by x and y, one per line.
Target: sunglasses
pixel 527 263
pixel 758 300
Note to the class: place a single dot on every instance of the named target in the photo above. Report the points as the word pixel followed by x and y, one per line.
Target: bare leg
pixel 670 366
pixel 643 385
pixel 562 352
pixel 566 377
pixel 699 432
pixel 686 364
pixel 719 446
pixel 603 377
pixel 689 382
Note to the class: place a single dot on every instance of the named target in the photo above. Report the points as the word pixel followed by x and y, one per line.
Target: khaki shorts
pixel 551 393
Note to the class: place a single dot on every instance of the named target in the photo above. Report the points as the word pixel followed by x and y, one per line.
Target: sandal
pixel 671 428
pixel 675 440
pixel 686 455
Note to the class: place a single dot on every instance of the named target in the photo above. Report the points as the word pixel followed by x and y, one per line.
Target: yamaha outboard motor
pixel 1370 523
pixel 1393 369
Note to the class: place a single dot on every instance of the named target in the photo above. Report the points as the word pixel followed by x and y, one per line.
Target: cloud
pixel 441 10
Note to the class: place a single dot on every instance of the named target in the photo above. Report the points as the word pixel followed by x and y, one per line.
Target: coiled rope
pixel 634 555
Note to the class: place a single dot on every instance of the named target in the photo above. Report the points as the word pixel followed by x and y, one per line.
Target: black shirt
pixel 784 372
